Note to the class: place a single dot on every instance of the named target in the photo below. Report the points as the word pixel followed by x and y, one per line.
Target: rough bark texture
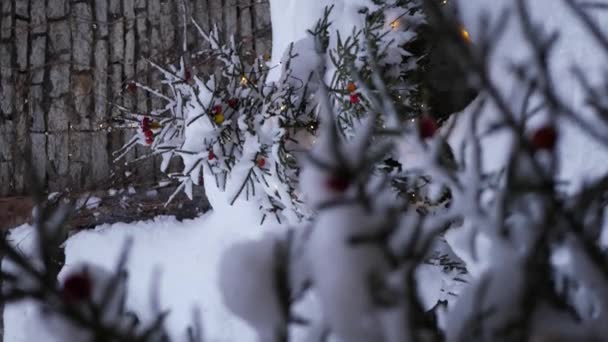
pixel 64 65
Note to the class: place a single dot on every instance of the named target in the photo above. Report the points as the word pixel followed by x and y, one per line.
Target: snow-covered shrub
pixel 540 271
pixel 242 130
pixel 233 130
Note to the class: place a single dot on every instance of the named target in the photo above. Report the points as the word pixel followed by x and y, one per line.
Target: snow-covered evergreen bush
pixel 242 131
pixel 540 272
pixel 233 130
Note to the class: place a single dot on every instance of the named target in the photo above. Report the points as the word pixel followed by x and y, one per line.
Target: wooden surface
pixel 64 65
pixel 101 207
pixel 15 211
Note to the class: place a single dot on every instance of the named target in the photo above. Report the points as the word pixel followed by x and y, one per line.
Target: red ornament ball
pixel 149 140
pixel 544 138
pixel 217 109
pixel 233 103
pixel 148 133
pixel 77 287
pixel 132 87
pixel 354 98
pixel 337 183
pixel 428 127
pixel 261 162
pixel 211 155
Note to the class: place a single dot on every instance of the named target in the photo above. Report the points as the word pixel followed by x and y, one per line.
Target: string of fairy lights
pixel 110 125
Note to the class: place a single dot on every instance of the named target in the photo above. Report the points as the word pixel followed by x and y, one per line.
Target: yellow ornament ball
pixel 465 34
pixel 351 87
pixel 218 118
pixel 155 125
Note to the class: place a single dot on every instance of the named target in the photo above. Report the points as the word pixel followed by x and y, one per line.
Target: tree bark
pixel 64 68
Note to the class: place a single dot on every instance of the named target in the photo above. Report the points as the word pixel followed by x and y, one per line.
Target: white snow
pixel 581 157
pixel 54 327
pixel 90 202
pixel 292 18
pixel 255 300
pixel 341 273
pixel 178 260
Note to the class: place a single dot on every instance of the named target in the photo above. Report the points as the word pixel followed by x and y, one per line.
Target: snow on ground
pixel 185 253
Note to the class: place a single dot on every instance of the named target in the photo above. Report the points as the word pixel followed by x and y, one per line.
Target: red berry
pixel 132 87
pixel 211 155
pixel 354 98
pixel 428 127
pixel 337 183
pixel 145 123
pixel 149 140
pixel 148 133
pixel 217 109
pixel 187 75
pixel 77 287
pixel 233 103
pixel 544 138
pixel 261 162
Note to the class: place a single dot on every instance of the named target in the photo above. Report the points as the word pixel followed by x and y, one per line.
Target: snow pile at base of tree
pixel 176 260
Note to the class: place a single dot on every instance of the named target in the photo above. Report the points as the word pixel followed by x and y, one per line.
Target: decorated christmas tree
pixel 242 131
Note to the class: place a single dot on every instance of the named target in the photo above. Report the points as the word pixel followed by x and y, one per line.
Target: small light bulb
pixel 244 81
pixel 465 34
pixel 394 24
